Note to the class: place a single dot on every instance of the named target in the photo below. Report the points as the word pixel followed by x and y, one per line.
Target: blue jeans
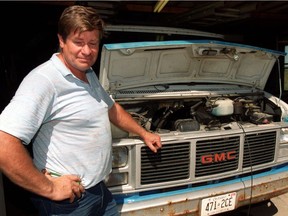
pixel 96 201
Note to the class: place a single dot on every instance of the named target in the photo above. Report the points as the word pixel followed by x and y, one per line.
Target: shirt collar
pixel 61 66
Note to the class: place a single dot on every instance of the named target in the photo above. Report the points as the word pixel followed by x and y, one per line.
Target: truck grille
pixel 259 148
pixel 212 157
pixel 171 163
pixel 216 150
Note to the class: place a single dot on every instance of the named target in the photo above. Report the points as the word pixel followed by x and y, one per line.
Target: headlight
pixel 284 136
pixel 116 179
pixel 119 157
pixel 283 147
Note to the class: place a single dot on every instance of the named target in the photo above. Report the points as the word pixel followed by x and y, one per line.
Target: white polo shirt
pixel 65 119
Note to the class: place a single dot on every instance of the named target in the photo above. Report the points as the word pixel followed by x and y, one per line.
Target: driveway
pixel 277 206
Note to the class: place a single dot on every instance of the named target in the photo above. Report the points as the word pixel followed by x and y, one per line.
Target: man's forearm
pixel 17 165
pixel 124 120
pixel 120 118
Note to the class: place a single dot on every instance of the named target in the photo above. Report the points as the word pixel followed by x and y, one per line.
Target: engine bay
pixel 195 114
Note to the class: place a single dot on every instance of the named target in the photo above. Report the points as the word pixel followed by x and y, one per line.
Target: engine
pixel 202 114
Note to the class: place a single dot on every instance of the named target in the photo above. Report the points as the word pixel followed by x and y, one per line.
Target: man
pixel 61 108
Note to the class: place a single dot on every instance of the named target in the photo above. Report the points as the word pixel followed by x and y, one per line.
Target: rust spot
pixel 241 197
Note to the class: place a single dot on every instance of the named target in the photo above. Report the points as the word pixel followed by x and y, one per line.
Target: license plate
pixel 218 204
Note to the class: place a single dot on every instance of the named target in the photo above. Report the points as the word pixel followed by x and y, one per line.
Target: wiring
pixel 251 168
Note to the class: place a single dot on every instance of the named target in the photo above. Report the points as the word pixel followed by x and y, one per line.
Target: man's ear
pixel 61 41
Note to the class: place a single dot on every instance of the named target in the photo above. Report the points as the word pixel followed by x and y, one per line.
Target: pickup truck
pixel 225 139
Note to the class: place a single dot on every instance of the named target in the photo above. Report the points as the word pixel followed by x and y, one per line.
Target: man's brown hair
pixel 79 18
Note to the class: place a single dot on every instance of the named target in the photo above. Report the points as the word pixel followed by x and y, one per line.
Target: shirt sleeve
pixel 23 116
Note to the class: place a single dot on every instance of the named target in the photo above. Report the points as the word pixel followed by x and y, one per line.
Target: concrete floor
pixel 281 204
pixel 277 206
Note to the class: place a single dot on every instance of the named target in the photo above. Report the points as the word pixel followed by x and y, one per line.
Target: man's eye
pixel 93 44
pixel 78 43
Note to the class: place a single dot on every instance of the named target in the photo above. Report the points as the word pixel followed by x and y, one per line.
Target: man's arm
pixel 122 119
pixel 17 165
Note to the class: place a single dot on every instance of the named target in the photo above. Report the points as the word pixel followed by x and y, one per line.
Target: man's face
pixel 80 50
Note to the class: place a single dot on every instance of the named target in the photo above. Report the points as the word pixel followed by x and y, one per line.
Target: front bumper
pixel 188 201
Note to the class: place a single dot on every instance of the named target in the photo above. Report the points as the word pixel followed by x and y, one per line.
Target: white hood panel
pixel 129 65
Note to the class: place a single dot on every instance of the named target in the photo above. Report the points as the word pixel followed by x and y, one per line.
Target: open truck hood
pixel 138 64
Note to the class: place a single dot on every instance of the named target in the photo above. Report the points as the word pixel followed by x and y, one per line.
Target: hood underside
pixel 130 65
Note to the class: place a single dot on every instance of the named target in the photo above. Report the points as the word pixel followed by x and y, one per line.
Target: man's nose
pixel 86 49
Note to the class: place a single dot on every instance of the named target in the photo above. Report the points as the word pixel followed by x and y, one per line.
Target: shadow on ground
pixel 266 208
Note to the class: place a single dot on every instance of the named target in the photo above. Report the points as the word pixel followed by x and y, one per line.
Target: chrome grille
pixel 216 151
pixel 169 164
pixel 172 162
pixel 259 148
